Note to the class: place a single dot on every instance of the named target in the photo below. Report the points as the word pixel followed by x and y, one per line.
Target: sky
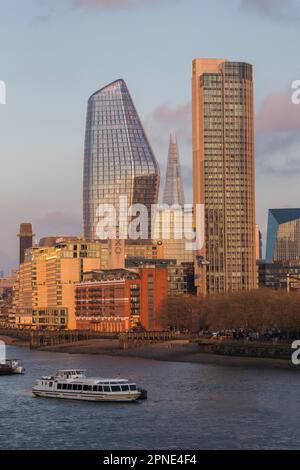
pixel 55 53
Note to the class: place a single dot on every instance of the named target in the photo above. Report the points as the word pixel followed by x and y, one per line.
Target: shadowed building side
pixel 26 236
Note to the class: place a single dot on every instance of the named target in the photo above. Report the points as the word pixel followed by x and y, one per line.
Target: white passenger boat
pixel 75 385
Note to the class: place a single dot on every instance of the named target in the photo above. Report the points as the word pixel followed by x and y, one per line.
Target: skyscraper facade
pixel 283 237
pixel 118 158
pixel 223 161
pixel 173 189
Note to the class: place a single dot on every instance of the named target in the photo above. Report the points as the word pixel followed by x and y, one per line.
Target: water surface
pixel 190 406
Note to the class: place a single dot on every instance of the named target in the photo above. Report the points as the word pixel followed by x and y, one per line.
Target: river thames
pixel 190 406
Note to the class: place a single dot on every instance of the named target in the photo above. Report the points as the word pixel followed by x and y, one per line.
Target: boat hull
pixel 6 371
pixel 125 398
pixel 10 371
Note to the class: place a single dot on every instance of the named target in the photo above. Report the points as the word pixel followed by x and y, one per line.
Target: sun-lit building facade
pixel 117 300
pixel 44 291
pixel 223 168
pixel 118 158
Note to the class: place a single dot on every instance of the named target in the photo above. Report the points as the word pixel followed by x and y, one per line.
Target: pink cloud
pixel 278 114
pixel 165 113
pixel 276 9
pixel 110 4
pixel 164 119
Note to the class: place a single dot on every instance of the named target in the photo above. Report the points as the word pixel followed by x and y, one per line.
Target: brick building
pixel 116 300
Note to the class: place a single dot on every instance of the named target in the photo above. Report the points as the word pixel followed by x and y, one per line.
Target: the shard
pixel 118 158
pixel 173 189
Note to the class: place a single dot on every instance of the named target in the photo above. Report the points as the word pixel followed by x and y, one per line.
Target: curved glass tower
pixel 118 159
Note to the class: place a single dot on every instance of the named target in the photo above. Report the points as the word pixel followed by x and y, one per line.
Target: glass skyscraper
pixel 173 190
pixel 170 224
pixel 283 237
pixel 118 159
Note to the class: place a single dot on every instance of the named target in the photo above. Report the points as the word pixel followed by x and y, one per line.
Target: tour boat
pixel 75 385
pixel 11 367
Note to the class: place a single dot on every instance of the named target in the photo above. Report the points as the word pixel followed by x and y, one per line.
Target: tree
pixel 179 313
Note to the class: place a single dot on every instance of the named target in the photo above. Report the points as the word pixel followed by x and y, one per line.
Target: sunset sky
pixel 56 53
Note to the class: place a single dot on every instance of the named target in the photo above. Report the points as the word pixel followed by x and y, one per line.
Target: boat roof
pixel 96 380
pixel 90 381
pixel 61 376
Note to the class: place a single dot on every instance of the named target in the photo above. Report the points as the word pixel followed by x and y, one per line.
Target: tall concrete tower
pixel 26 236
pixel 223 160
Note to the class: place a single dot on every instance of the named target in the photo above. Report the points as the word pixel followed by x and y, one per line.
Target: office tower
pixel 118 159
pixel 223 161
pixel 26 237
pixel 173 189
pixel 283 236
pixel 258 243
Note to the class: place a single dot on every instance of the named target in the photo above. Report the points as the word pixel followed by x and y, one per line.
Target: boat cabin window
pixel 85 388
pixel 69 387
pixel 58 386
pixel 79 387
pixel 132 388
pixel 115 388
pixel 100 388
pixel 125 388
pixel 64 386
pixel 75 387
pixel 50 384
pixel 106 388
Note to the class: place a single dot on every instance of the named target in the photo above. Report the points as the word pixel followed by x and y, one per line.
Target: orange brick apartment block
pixel 118 299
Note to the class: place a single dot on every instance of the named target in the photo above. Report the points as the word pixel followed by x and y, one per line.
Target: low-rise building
pixel 285 275
pixel 44 291
pixel 117 300
pixel 180 276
